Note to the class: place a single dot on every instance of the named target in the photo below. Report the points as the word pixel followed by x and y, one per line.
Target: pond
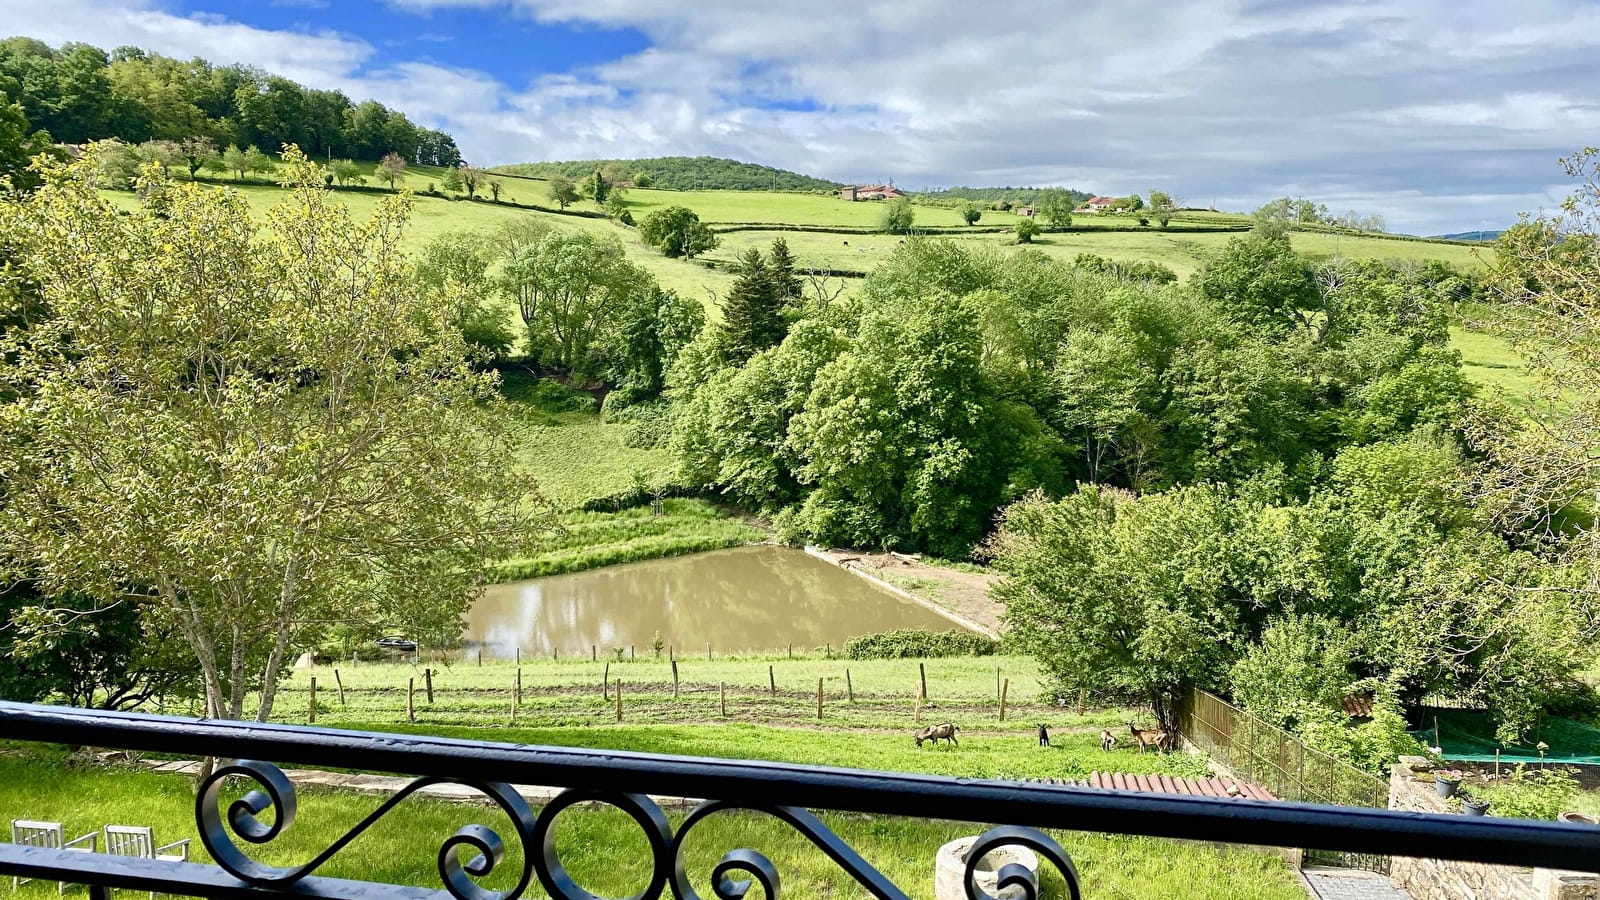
pixel 740 600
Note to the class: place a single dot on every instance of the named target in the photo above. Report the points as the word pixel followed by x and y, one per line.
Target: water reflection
pixel 750 598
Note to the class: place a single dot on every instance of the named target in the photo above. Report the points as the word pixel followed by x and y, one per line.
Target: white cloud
pixel 1437 114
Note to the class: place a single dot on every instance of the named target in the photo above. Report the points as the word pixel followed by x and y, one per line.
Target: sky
pixel 1440 115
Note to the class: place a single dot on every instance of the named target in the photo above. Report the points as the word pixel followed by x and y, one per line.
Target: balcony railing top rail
pixel 625 779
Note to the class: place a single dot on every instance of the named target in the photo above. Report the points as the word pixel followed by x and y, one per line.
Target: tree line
pixel 680 173
pixel 79 93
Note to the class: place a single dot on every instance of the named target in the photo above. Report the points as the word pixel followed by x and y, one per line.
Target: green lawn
pixel 604 851
pixel 1181 251
pixel 588 540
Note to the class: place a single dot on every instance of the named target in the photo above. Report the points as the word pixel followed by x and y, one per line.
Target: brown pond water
pixel 745 599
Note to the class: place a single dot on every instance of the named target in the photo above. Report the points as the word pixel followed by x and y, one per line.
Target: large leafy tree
pixel 574 290
pixel 1054 205
pixel 677 231
pixel 246 428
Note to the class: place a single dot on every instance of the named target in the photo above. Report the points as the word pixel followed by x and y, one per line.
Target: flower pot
pixel 1445 787
pixel 1474 807
pixel 1578 818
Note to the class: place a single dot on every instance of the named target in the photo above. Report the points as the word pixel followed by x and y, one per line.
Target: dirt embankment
pixel 960 594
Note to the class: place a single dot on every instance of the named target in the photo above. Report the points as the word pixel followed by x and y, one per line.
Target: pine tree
pixel 752 318
pixel 784 281
pixel 598 186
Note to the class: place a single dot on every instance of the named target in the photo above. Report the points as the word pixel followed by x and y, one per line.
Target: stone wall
pixel 1435 879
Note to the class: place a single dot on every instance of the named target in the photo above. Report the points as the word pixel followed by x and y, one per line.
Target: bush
pixel 899 216
pixel 1542 794
pixel 1027 230
pixel 911 643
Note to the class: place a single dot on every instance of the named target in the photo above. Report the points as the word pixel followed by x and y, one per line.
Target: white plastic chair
pixel 48 834
pixel 140 841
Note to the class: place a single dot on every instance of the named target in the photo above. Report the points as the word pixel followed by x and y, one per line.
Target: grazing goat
pixel 1108 741
pixel 1149 737
pixel 943 731
pixel 1044 735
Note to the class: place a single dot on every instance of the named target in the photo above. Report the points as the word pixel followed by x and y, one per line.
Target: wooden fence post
pixel 619 699
pixel 722 687
pixel 1083 700
pixel 594 653
pixel 772 682
pixel 411 707
pixel 555 653
pixel 674 679
pixel 516 694
pixel 605 683
pixel 791 651
pixel 828 650
pixel 311 710
pixel 922 671
pixel 519 656
pixel 849 686
pixel 340 682
pixel 819 698
pixel 480 657
pixel 630 651
pixel 997 684
pixel 427 680
pixel 1005 688
pixel 708 651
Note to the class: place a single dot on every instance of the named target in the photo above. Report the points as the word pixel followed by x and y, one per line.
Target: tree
pixel 677 231
pixel 785 283
pixel 573 290
pixel 1027 229
pixel 752 316
pixel 392 168
pixel 616 206
pixel 453 269
pixel 234 160
pixel 346 171
pixel 562 191
pixel 1054 205
pixel 314 449
pixel 1262 281
pixel 494 189
pixel 598 187
pixel 256 161
pixel 1161 206
pixel 898 216
pixel 18 146
pixel 642 180
pixel 452 180
pixel 470 179
pixel 196 151
pixel 114 657
pixel 970 213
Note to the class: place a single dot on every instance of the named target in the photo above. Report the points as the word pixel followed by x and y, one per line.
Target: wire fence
pixel 1280 762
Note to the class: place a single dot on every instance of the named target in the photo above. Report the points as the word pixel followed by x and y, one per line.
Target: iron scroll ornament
pixel 537 835
pixel 276 792
pixel 761 870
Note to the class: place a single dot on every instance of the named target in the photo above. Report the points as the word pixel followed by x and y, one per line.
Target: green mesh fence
pixel 1468 736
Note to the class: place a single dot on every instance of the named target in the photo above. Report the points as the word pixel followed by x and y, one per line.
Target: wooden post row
pixel 674 679
pixel 1005 688
pixel 772 682
pixel 427 679
pixel 850 688
pixel 922 672
pixel 411 706
pixel 722 688
pixel 619 699
pixel 311 712
pixel 605 681
pixel 819 698
pixel 340 682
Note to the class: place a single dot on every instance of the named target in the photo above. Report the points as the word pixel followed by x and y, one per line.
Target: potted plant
pixel 1446 781
pixel 1474 806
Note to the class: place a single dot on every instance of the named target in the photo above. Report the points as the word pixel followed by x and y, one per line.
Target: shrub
pixel 1027 230
pixel 910 643
pixel 899 216
pixel 1541 794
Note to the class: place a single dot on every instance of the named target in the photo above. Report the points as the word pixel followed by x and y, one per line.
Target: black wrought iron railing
pixel 624 781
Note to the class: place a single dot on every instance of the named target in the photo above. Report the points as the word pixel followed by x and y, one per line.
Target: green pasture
pixel 589 540
pixel 602 848
pixel 1180 250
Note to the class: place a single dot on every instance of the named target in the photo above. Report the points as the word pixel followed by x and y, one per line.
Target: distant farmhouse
pixel 1024 211
pixel 1098 204
pixel 871 192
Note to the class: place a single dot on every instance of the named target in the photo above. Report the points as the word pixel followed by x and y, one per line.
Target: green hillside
pixel 681 173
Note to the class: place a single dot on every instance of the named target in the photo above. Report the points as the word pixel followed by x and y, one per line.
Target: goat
pixel 1044 735
pixel 1108 741
pixel 943 731
pixel 1149 737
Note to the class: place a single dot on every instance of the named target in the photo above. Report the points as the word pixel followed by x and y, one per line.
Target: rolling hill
pixel 681 173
